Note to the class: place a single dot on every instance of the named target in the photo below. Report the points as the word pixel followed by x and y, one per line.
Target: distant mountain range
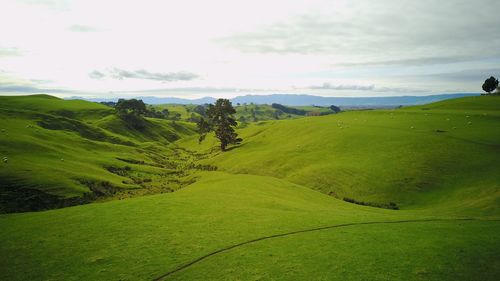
pixel 301 100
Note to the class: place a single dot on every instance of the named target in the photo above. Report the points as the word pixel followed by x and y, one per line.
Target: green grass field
pixel 274 208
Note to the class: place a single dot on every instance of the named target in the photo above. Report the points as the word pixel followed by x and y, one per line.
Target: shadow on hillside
pixel 234 147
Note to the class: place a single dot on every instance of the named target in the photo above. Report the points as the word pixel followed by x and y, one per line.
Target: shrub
pixel 390 205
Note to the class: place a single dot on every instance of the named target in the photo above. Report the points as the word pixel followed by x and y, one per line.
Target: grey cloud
pixel 328 86
pixel 412 62
pixel 473 75
pixel 400 90
pixel 82 28
pixel 120 74
pixel 384 32
pixel 96 74
pixel 197 90
pixel 372 88
pixel 26 89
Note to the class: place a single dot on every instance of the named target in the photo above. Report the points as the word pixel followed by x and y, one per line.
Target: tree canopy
pixel 132 106
pixel 335 108
pixel 220 120
pixel 132 112
pixel 490 84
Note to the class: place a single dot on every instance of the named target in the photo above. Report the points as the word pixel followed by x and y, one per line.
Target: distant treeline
pixel 296 111
pixel 289 110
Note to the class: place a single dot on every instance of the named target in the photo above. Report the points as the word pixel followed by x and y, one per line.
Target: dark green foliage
pixel 201 110
pixel 277 114
pixel 490 84
pixel 335 109
pixel 220 120
pixel 153 113
pixel 202 167
pixel 390 205
pixel 193 118
pixel 289 110
pixel 204 127
pixel 132 112
pixel 108 103
pixel 176 117
pixel 99 188
pixel 119 170
pixel 132 106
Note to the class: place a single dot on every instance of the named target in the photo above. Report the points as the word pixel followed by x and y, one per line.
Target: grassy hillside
pixel 144 238
pixel 434 155
pixel 58 153
pixel 260 217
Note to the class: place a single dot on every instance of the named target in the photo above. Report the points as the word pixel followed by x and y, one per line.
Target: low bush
pixel 390 205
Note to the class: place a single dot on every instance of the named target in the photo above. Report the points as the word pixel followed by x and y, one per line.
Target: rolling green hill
pixel 435 155
pixel 60 153
pixel 260 215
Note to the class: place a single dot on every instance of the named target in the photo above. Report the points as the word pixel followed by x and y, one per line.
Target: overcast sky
pixel 224 48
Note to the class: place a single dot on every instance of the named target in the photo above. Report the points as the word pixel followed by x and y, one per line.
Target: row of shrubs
pixel 202 167
pixel 390 205
pixel 99 188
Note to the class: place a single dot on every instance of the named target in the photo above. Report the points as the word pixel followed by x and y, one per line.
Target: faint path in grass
pixel 164 276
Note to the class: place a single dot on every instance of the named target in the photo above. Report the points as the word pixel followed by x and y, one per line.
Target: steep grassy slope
pixel 434 155
pixel 56 152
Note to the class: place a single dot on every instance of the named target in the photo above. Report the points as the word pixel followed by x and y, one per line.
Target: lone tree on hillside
pixel 490 85
pixel 219 118
pixel 335 108
pixel 132 112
